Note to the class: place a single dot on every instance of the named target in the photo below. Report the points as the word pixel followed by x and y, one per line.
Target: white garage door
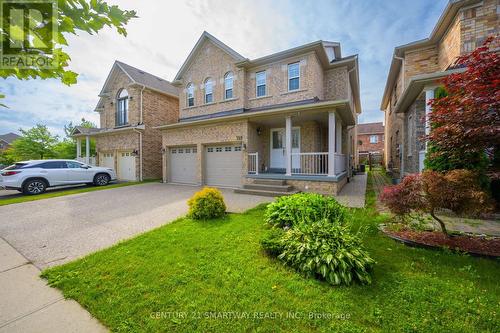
pixel 107 160
pixel 223 165
pixel 183 165
pixel 126 166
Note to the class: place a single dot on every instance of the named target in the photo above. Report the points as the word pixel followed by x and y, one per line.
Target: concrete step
pixel 277 188
pixel 263 193
pixel 270 181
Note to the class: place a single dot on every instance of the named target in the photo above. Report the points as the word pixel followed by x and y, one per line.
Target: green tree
pixel 35 143
pixel 67 147
pixel 73 17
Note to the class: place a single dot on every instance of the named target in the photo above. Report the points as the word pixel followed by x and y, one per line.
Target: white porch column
pixel 332 129
pixel 87 150
pixel 288 145
pixel 78 148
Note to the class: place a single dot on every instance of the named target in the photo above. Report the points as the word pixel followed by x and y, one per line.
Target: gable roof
pixel 370 128
pixel 442 25
pixel 9 137
pixel 140 77
pixel 206 36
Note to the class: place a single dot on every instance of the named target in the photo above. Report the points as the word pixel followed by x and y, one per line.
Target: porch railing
pixel 92 160
pixel 253 163
pixel 310 163
pixel 340 163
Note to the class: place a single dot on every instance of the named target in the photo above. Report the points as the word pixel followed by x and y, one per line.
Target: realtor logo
pixel 28 30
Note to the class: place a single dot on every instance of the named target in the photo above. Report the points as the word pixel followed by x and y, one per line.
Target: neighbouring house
pixel 370 142
pixel 132 104
pixel 7 139
pixel 414 75
pixel 286 119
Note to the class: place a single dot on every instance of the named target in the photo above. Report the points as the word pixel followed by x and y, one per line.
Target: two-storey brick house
pixel 370 138
pixel 132 104
pixel 289 116
pixel 414 75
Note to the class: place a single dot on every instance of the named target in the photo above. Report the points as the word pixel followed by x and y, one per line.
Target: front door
pixel 278 148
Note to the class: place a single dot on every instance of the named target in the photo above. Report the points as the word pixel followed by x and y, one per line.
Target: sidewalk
pixel 27 304
pixel 353 193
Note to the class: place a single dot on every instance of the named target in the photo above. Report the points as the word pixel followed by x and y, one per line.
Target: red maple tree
pixel 467 120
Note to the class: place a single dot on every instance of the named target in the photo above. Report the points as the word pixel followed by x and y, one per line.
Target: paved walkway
pixel 27 304
pixel 353 193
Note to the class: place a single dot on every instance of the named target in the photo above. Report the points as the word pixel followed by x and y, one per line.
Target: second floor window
pixel 209 93
pixel 122 108
pixel 190 94
pixel 260 79
pixel 373 138
pixel 228 85
pixel 293 76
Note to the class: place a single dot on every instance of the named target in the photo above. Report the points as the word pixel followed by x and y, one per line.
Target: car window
pixel 16 166
pixel 53 165
pixel 73 165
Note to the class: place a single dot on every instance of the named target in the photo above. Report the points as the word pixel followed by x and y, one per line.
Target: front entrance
pixel 278 148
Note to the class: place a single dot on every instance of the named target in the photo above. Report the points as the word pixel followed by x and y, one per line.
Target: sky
pixel 165 32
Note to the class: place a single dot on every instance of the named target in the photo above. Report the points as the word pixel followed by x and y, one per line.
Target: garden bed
pixel 474 245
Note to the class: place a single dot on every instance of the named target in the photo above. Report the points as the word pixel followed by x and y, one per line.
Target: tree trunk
pixel 441 223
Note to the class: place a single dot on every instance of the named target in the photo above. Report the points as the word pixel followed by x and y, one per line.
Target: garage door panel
pixel 126 166
pixel 107 160
pixel 223 165
pixel 183 163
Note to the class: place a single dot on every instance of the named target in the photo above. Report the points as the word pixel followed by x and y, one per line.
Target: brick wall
pixel 366 146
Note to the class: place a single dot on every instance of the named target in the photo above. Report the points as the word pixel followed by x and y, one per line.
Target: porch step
pixel 264 193
pixel 265 187
pixel 278 182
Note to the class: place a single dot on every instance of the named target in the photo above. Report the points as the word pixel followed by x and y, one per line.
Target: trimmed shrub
pixel 327 250
pixel 304 207
pixel 272 242
pixel 206 204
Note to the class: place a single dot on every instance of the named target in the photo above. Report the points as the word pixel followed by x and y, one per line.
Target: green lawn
pixel 208 270
pixel 52 193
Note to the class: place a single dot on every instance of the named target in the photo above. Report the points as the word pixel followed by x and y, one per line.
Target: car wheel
pixel 101 179
pixel 34 186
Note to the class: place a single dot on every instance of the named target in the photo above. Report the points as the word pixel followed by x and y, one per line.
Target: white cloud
pixel 165 32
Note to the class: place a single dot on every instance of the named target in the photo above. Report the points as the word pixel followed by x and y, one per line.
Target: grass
pixel 66 191
pixel 193 276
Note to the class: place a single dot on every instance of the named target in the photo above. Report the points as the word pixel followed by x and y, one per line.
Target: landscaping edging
pixel 411 243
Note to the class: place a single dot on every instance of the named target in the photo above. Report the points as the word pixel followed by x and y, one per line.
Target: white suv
pixel 33 177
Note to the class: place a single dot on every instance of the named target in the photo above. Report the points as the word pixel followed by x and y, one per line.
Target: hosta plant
pixel 289 210
pixel 327 250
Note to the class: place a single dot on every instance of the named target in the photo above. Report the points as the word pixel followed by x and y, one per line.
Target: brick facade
pixel 466 31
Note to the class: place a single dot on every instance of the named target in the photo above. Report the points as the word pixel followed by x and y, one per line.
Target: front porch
pixel 309 150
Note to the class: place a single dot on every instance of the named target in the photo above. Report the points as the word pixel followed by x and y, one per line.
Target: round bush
pixel 304 207
pixel 206 204
pixel 272 241
pixel 327 250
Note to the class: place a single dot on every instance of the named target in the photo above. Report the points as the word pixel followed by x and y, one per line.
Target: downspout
pixel 402 150
pixel 141 120
pixel 140 153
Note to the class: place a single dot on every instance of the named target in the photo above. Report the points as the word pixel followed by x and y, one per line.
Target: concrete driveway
pixel 52 231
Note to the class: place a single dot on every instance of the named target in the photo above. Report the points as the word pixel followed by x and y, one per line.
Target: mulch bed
pixel 471 244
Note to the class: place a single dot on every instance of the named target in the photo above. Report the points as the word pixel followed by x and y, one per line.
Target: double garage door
pixel 222 165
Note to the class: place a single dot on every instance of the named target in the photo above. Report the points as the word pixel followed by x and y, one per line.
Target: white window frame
pixel 121 118
pixel 257 85
pixel 375 139
pixel 293 77
pixel 209 83
pixel 189 92
pixel 228 80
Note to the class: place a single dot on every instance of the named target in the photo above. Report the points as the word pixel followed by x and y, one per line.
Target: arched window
pixel 122 108
pixel 228 85
pixel 190 94
pixel 209 93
